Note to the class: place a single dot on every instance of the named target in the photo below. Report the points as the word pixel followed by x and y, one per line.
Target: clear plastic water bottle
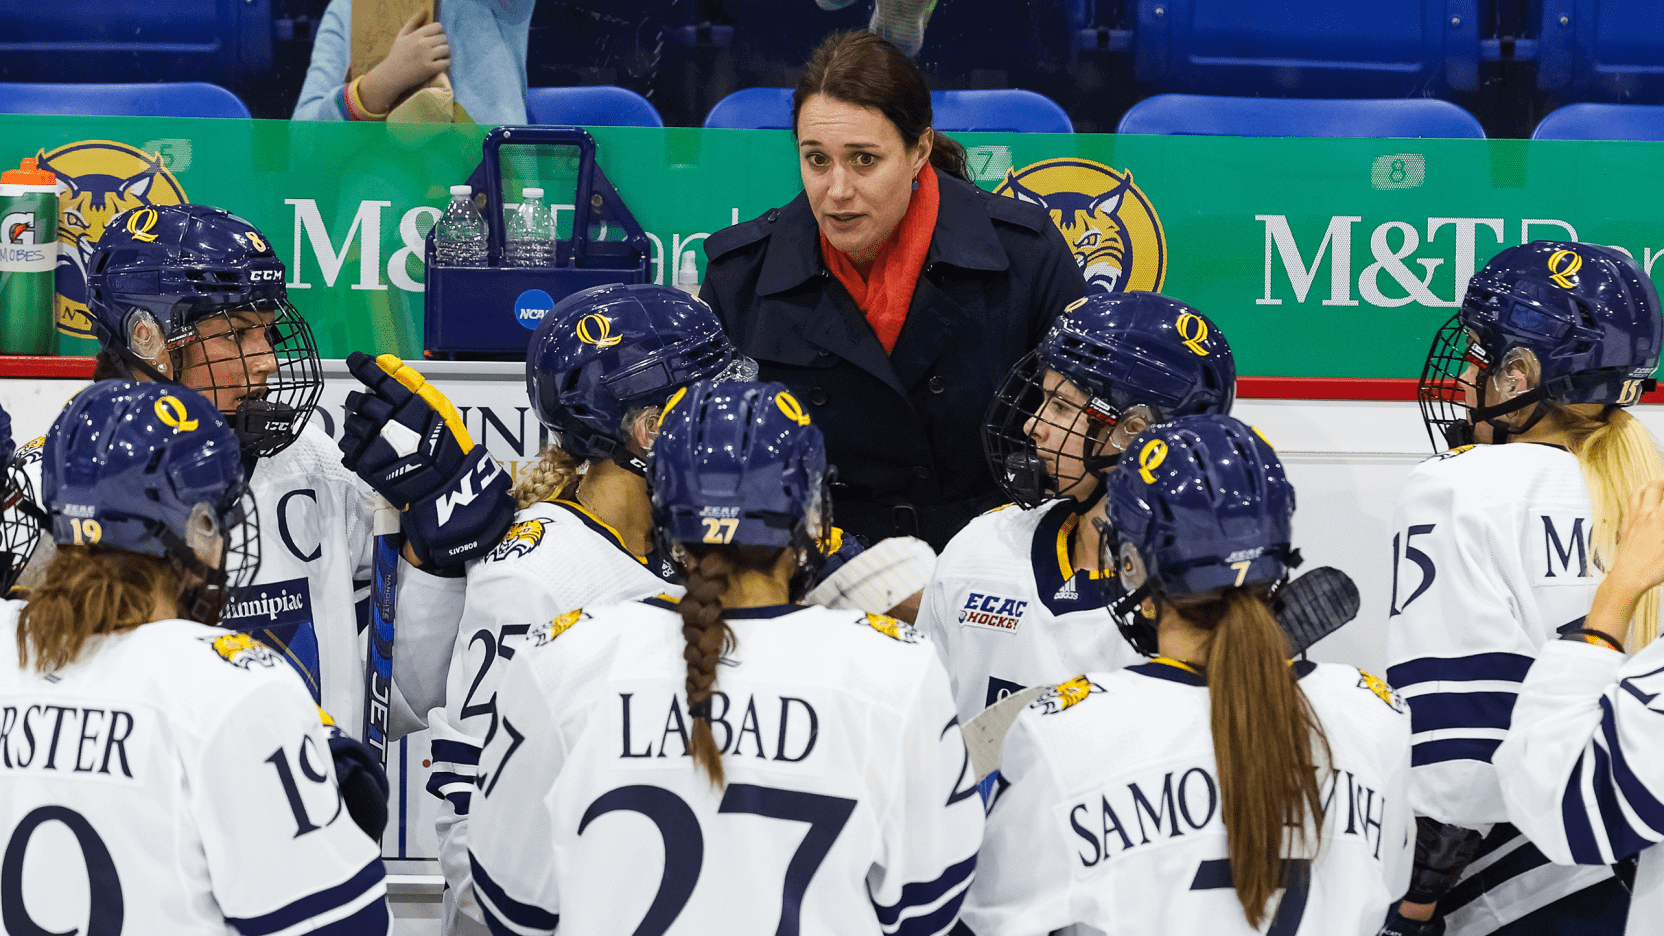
pixel 530 241
pixel 459 239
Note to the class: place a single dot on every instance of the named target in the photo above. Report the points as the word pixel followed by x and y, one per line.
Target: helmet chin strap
pixel 1500 430
pixel 626 459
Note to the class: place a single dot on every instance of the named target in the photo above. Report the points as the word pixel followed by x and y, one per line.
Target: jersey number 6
pixel 684 843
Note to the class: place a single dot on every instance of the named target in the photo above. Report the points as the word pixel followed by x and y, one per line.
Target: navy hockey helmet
pixel 1588 314
pixel 20 519
pixel 1199 504
pixel 154 469
pixel 607 351
pixel 1128 354
pixel 201 291
pixel 739 463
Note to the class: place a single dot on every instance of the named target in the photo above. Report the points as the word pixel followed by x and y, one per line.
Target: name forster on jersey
pixel 101 743
pixel 1166 805
pixel 994 612
pixel 774 728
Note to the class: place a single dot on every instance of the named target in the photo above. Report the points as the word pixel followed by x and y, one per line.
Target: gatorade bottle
pixel 28 258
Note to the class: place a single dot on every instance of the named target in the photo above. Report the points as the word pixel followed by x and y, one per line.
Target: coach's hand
pixel 406 440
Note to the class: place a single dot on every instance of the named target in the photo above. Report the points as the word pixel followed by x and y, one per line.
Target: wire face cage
pixel 1041 444
pixel 239 562
pixel 20 524
pixel 1450 385
pixel 259 365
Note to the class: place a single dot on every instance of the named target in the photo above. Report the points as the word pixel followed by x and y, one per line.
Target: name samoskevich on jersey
pixel 994 612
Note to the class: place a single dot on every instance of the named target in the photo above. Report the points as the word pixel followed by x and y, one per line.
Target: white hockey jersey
pixel 850 805
pixel 556 558
pixel 1582 768
pixel 1491 558
pixel 1111 818
pixel 1007 610
pixel 317 546
pixel 175 779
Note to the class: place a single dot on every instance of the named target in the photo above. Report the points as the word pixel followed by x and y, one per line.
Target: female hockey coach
pixel 1581 769
pixel 1497 549
pixel 797 768
pixel 1217 788
pixel 162 775
pixel 892 295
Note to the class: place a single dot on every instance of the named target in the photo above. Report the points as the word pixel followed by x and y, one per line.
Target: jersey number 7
pixel 684 843
pixel 1297 882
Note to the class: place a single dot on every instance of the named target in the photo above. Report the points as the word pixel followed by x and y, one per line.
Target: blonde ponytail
pixel 1618 455
pixel 554 474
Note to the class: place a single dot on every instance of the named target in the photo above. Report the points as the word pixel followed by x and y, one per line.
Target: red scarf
pixel 888 289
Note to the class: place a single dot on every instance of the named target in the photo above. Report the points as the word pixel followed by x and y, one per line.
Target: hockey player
pixel 600 365
pixel 193 295
pixel 1015 599
pixel 1580 769
pixel 799 769
pixel 20 518
pixel 1497 548
pixel 1216 788
pixel 162 775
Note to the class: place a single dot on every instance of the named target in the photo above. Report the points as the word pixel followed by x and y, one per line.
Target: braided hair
pixel 707 571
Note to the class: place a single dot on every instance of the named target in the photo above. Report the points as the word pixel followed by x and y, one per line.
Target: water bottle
pixel 459 238
pixel 530 240
pixel 28 258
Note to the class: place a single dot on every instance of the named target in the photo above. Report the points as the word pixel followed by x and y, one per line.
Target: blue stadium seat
pixel 1002 110
pixel 753 109
pixel 162 99
pixel 1308 48
pixel 1609 50
pixel 1299 117
pixel 590 106
pixel 135 40
pixel 1008 110
pixel 1603 122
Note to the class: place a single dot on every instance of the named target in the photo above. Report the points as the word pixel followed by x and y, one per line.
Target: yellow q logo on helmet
pixel 140 222
pixel 1150 458
pixel 596 329
pixel 1562 268
pixel 171 411
pixel 258 242
pixel 794 411
pixel 670 404
pixel 1194 330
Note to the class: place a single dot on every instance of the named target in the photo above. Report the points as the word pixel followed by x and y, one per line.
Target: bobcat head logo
pixel 1107 221
pixel 101 179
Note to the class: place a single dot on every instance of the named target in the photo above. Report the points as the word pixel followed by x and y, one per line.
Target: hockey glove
pixel 362 781
pixel 876 579
pixel 1443 852
pixel 406 440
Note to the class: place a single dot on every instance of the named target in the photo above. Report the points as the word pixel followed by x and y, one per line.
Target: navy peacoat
pixel 904 429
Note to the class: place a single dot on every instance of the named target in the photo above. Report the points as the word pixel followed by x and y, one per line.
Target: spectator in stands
pixel 892 295
pixel 482 43
pixel 900 21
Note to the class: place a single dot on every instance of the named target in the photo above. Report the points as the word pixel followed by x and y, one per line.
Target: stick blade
pixel 1315 605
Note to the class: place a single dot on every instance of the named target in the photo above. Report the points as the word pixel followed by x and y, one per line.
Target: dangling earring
pixel 915 185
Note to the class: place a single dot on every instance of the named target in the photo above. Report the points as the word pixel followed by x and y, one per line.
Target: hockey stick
pixel 378 661
pixel 1314 606
pixel 986 732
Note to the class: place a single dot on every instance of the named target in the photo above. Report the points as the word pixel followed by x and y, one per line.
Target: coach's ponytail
pixel 86 591
pixel 1264 735
pixel 554 474
pixel 1618 456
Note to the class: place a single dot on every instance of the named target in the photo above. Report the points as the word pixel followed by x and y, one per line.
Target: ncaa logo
pixel 531 306
pixel 1108 222
pixel 100 179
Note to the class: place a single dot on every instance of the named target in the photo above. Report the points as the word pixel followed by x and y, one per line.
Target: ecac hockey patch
pixel 994 612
